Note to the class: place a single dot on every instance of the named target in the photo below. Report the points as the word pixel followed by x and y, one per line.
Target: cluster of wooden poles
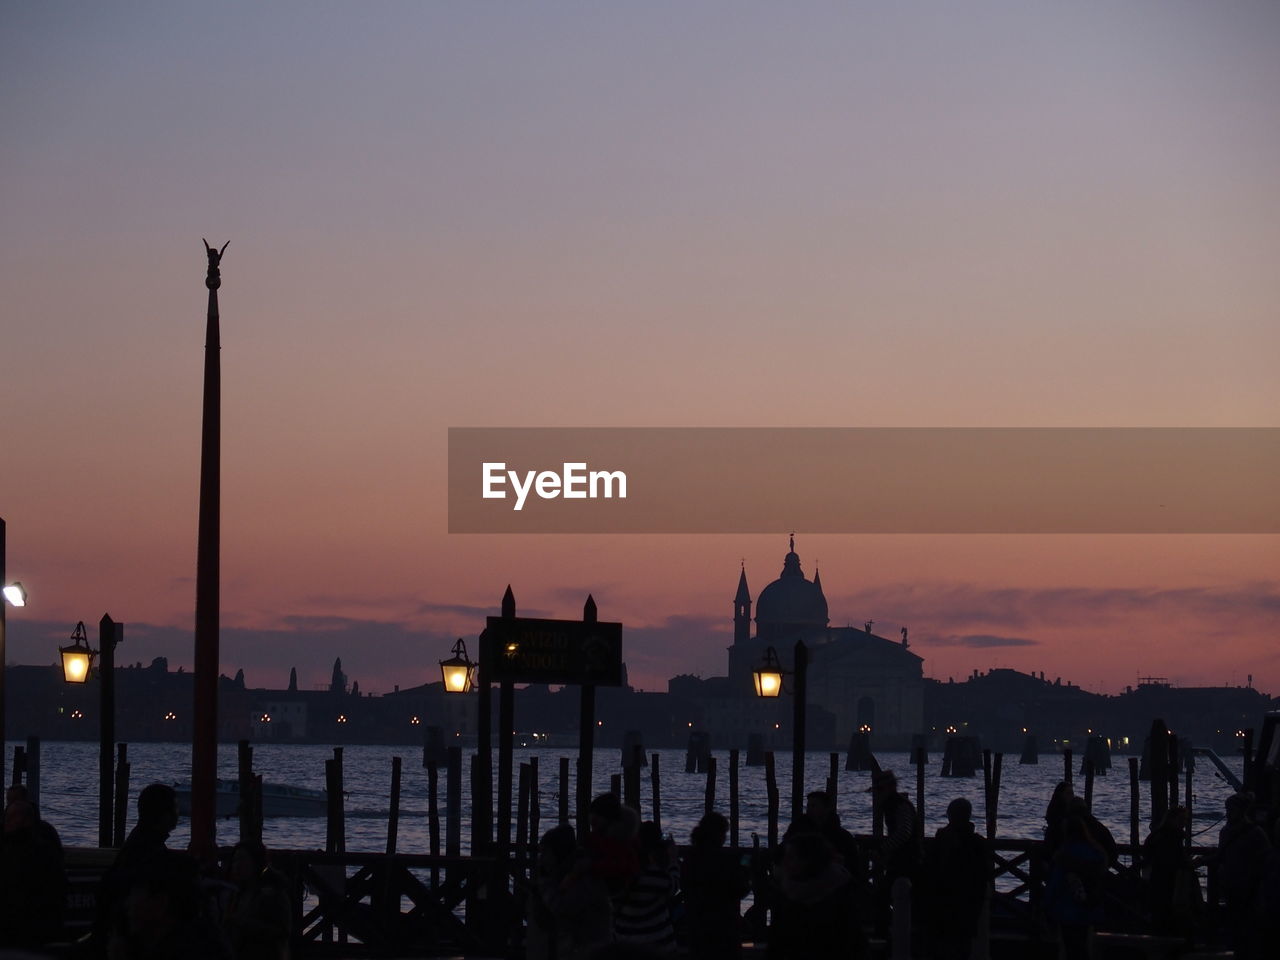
pixel 1164 792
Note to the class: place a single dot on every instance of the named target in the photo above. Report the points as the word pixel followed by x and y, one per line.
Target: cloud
pixel 303 622
pixel 677 644
pixel 459 610
pixel 945 607
pixel 378 655
pixel 978 640
pixel 571 599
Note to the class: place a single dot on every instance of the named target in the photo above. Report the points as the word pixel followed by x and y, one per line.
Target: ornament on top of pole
pixel 213 279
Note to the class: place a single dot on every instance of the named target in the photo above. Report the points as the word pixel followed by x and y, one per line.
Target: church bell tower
pixel 742 610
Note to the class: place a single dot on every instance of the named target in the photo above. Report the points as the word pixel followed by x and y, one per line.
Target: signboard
pixel 532 650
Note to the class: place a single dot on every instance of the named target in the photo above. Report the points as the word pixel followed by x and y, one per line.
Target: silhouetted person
pixel 1097 829
pixel 821 809
pixel 1268 927
pixel 957 874
pixel 1240 860
pixel 1054 816
pixel 714 884
pixel 32 881
pixel 1172 887
pixel 18 791
pixel 899 855
pixel 642 912
pixel 814 913
pixel 164 920
pixel 258 917
pixel 1073 895
pixel 611 842
pixel 569 911
pixel 157 816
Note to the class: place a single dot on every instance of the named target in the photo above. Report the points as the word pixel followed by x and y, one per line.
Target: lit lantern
pixel 458 671
pixel 78 657
pixel 768 676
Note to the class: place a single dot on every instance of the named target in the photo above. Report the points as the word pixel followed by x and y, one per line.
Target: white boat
pixel 278 800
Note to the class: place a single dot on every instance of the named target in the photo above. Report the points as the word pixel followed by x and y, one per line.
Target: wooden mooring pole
pixel 656 780
pixel 771 792
pixel 535 806
pixel 122 792
pixel 563 806
pixel 453 804
pixel 1135 807
pixel 733 798
pixel 523 792
pixel 586 733
pixel 919 757
pixel 393 816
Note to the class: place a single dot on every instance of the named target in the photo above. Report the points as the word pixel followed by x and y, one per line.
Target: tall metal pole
pixel 797 729
pixel 3 604
pixel 204 731
pixel 108 632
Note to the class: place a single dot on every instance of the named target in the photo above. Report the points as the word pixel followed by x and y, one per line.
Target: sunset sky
pixel 643 214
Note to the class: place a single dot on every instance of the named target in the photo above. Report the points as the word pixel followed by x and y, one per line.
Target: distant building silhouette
pixel 859 679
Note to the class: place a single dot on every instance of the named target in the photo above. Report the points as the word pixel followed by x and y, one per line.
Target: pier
pixel 391 903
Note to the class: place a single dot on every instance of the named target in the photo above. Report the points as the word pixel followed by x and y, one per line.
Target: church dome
pixel 791 603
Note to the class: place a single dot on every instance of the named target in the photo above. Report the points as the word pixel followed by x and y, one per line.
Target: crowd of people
pixel 623 892
pixel 152 903
pixel 623 889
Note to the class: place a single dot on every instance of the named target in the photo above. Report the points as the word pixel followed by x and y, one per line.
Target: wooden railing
pixel 386 904
pixel 377 904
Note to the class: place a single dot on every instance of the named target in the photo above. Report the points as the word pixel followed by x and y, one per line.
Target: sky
pixel 647 214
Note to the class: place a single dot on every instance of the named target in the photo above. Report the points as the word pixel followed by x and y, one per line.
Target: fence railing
pixel 386 904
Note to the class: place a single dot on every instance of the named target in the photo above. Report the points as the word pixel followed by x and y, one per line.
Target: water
pixel 69 790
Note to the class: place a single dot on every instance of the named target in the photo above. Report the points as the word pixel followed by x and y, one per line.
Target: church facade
pixel 860 679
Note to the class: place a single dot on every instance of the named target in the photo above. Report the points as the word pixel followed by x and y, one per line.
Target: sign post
pixel 586 653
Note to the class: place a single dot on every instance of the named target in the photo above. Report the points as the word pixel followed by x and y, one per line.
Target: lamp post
pixel 768 679
pixel 14 594
pixel 77 659
pixel 461 675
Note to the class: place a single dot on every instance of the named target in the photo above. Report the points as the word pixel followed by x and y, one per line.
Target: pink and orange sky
pixel 670 214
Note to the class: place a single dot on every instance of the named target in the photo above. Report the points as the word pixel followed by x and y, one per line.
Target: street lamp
pixel 77 659
pixel 458 671
pixel 14 594
pixel 768 681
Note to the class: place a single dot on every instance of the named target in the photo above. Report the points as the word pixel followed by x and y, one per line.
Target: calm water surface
pixel 69 790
